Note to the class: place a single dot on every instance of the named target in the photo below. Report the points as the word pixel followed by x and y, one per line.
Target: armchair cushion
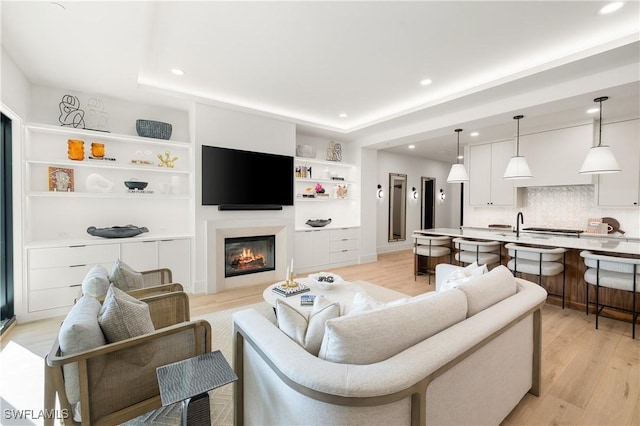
pixel 308 333
pixel 124 277
pixel 96 282
pixel 122 317
pixel 79 332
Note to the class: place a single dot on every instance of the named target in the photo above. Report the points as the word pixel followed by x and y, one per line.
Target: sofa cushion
pixel 79 332
pixel 488 289
pixel 96 282
pixel 122 317
pixel 124 277
pixel 373 336
pixel 307 332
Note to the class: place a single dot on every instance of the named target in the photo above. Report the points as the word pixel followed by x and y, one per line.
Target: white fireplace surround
pixel 217 231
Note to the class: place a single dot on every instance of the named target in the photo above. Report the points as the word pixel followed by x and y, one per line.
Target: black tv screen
pixel 232 177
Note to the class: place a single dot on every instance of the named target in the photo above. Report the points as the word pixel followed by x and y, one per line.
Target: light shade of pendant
pixel 600 158
pixel 458 174
pixel 517 167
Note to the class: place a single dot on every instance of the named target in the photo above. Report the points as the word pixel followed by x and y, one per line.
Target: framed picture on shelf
pixel 342 192
pixel 61 179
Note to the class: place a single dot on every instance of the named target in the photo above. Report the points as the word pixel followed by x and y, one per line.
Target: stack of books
pixel 287 291
pixel 307 299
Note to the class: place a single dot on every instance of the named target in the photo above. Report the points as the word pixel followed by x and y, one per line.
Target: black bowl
pixel 133 184
pixel 318 223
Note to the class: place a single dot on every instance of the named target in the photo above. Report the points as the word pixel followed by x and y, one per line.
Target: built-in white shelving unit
pixel 56 242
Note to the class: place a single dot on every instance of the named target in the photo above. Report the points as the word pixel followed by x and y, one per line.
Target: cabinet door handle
pixel 345 239
pixel 154 241
pixel 76 285
pixel 345 250
pixel 77 266
pixel 78 246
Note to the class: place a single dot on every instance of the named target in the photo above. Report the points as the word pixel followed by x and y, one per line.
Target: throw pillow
pixel 362 302
pixel 307 332
pixel 463 275
pixel 489 289
pixel 122 317
pixel 96 282
pixel 374 336
pixel 124 277
pixel 79 332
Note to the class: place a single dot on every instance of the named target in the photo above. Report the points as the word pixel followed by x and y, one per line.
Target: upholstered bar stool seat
pixel 543 262
pixel 482 252
pixel 620 273
pixel 429 246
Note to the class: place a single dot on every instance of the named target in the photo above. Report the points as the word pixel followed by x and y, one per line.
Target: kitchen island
pixel 575 290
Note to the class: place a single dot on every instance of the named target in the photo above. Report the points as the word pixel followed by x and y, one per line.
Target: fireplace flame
pixel 248 259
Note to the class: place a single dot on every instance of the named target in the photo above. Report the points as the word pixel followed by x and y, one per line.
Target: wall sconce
pixel 380 193
pixel 414 193
pixel 442 194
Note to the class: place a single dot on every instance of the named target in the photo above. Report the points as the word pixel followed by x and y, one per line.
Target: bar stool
pixel 543 262
pixel 429 246
pixel 621 273
pixel 482 252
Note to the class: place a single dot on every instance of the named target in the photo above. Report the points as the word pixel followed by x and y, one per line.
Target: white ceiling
pixel 307 62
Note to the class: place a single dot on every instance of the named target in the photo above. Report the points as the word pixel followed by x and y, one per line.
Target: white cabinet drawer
pixel 40 279
pixel 344 245
pixel 73 255
pixel 344 234
pixel 141 256
pixel 343 256
pixel 52 298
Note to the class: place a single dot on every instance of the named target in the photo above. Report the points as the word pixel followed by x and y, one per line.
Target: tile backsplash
pixel 567 207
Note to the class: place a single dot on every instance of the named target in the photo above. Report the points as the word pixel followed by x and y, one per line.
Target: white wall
pixel 14 87
pixel 231 129
pixel 415 168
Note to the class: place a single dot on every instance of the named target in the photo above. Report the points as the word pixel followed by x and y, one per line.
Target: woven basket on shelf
pixel 153 129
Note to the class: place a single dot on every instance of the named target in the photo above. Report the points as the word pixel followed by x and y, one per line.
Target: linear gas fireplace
pixel 249 255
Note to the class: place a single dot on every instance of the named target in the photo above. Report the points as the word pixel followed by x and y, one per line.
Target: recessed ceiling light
pixel 177 71
pixel 343 115
pixel 474 134
pixel 426 82
pixel 611 7
pixel 592 110
pixel 411 147
pixel 460 157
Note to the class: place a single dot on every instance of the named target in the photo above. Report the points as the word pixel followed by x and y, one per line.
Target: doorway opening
pixel 428 205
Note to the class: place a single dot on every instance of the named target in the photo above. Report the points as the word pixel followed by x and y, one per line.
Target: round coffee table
pixel 342 293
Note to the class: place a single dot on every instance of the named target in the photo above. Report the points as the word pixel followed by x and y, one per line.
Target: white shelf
pixel 322 162
pixel 320 199
pixel 108 165
pixel 74 194
pixel 327 181
pixel 94 134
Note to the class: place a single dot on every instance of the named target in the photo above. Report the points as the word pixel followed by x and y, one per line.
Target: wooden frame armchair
pixel 113 390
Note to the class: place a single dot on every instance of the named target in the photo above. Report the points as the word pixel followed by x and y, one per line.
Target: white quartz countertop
pixel 611 245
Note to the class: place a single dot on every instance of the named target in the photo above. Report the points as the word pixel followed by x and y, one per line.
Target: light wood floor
pixel 589 376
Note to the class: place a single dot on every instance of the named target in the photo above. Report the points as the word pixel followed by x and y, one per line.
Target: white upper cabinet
pixel 555 156
pixel 621 189
pixel 487 164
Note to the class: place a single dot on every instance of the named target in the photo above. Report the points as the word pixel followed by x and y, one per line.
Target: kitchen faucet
pixel 519 220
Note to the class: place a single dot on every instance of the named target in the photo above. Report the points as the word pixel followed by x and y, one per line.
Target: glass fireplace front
pixel 249 255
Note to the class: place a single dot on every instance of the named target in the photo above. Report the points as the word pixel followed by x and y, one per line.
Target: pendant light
pixel 458 173
pixel 600 158
pixel 517 167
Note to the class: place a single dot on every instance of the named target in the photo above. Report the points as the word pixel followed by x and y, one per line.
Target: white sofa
pixel 473 371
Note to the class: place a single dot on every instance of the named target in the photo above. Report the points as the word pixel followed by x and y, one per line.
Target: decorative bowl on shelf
pixel 136 184
pixel 306 151
pixel 153 129
pixel 318 223
pixel 325 280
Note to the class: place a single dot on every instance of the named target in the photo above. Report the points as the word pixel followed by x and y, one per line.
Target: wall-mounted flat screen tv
pixel 235 179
